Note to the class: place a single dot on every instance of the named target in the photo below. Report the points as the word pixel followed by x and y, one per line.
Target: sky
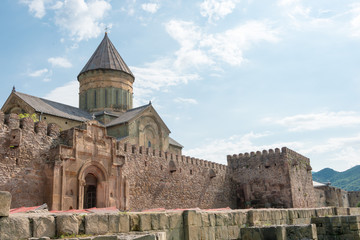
pixel 226 76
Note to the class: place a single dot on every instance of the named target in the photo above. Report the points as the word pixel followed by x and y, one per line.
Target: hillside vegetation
pixel 348 180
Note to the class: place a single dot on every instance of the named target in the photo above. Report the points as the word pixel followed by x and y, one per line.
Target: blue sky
pixel 227 76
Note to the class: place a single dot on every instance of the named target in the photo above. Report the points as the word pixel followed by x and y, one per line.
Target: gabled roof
pixel 131 114
pixel 128 115
pixel 106 57
pixel 54 108
pixel 175 143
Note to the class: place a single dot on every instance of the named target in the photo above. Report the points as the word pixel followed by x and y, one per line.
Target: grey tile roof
pixel 175 143
pixel 54 108
pixel 106 57
pixel 128 115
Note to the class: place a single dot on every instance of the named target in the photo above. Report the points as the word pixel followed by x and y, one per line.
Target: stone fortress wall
pixel 272 178
pixel 149 178
pixel 24 149
pixel 160 180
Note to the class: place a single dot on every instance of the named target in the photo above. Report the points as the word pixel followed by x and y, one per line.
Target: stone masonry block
pixel 234 232
pixel 124 221
pixel 14 228
pixel 67 224
pixel 221 232
pixel 145 222
pixel 260 233
pixel 114 223
pixel 301 232
pixel 176 220
pixel 96 224
pixel 212 219
pixel 205 219
pixel 113 237
pixel 159 221
pixel 119 223
pixel 5 202
pixel 134 222
pixel 44 226
pixel 193 233
pixel 222 219
pixel 192 218
pixel 204 233
pixel 175 234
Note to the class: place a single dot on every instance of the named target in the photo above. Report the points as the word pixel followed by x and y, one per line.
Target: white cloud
pixel 82 19
pixel 217 9
pixel 198 48
pixel 36 7
pixel 216 150
pixel 185 100
pixel 316 121
pixel 231 44
pixel 355 21
pixel 157 76
pixel 79 18
pixel 38 73
pixel 150 7
pixel 66 94
pixel 60 62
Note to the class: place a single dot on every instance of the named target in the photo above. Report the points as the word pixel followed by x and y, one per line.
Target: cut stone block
pixel 5 202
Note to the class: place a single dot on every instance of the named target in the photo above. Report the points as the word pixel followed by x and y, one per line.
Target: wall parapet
pixel 12 121
pixel 274 153
pixel 165 156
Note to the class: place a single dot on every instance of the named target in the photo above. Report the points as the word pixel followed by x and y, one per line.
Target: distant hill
pixel 348 180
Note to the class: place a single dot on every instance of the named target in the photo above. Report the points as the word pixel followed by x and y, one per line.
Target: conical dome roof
pixel 106 57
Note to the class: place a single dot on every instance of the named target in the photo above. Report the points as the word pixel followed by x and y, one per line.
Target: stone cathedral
pixel 108 154
pixel 106 94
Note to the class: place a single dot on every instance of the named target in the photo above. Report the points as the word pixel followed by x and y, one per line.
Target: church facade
pixel 108 154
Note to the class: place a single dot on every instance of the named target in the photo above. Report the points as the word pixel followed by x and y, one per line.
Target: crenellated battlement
pixel 273 153
pixel 27 125
pixel 165 156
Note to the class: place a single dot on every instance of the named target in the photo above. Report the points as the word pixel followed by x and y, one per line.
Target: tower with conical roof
pixel 106 82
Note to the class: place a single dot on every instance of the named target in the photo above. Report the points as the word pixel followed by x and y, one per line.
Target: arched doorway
pixel 90 191
pixel 93 186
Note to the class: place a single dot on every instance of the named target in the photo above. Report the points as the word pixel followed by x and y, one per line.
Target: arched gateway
pixel 93 186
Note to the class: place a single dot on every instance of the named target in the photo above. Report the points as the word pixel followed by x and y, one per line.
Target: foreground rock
pixel 5 201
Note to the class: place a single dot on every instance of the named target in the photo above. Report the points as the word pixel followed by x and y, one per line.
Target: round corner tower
pixel 106 82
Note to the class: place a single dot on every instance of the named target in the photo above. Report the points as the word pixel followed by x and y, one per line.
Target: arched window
pixel 85 100
pixel 117 97
pixel 95 98
pixel 106 100
pixel 149 144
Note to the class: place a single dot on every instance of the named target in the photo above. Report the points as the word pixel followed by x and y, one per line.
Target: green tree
pixel 32 116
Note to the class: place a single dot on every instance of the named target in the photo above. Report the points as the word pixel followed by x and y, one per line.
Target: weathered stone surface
pixel 175 220
pixel 301 232
pixel 124 221
pixel 96 224
pixel 14 228
pixel 257 233
pixel 67 224
pixel 145 222
pixel 134 222
pixel 192 218
pixel 5 202
pixel 159 221
pixel 114 237
pixel 148 237
pixel 44 226
pixel 119 223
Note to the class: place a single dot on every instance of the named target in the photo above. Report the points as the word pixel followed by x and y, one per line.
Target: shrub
pixel 358 205
pixel 32 116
